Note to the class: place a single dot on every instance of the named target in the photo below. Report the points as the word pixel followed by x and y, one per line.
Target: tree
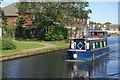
pixel 107 23
pixel 46 15
pixel 19 29
pixel 7 41
pixel 107 28
pixel 119 28
pixel 50 14
pixel 4 25
pixel 4 19
pixel 82 13
pixel 4 22
pixel 92 22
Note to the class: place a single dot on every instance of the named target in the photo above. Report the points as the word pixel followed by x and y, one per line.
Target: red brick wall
pixel 28 20
pixel 10 20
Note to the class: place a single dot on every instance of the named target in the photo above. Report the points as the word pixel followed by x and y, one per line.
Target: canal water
pixel 54 65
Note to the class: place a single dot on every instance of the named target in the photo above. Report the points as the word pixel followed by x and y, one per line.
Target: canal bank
pixel 54 65
pixel 48 47
pixel 21 55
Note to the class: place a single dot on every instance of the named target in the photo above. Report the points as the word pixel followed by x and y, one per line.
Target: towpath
pixel 46 46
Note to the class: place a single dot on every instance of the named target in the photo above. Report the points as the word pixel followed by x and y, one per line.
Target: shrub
pixel 8 44
pixel 58 32
pixel 61 37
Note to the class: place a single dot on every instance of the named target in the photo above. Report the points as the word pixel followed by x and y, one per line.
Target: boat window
pixel 98 44
pixel 103 43
pixel 93 33
pixel 100 33
pixel 93 45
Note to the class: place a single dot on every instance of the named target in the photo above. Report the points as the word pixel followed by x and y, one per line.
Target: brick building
pixel 78 29
pixel 75 31
pixel 112 28
pixel 11 11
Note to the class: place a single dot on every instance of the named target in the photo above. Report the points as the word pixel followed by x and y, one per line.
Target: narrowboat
pixel 94 45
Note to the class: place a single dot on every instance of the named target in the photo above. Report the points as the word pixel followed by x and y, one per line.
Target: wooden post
pixel 93 57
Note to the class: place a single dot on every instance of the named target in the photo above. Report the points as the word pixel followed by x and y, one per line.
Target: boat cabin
pixel 95 40
pixel 92 46
pixel 98 34
pixel 87 44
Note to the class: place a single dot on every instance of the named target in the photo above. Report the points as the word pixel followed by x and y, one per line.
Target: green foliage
pixel 20 30
pixel 4 19
pixel 91 22
pixel 119 28
pixel 108 28
pixel 8 44
pixel 107 23
pixel 96 27
pixel 80 10
pixel 48 17
pixel 56 33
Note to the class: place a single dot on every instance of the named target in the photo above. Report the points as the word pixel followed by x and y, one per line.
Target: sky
pixel 101 11
pixel 104 12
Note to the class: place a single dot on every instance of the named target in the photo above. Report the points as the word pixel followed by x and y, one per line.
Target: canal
pixel 53 65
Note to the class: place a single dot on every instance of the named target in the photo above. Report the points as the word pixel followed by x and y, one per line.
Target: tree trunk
pixel 13 34
pixel 85 21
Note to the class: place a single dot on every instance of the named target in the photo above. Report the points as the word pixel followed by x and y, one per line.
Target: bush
pixel 8 44
pixel 58 32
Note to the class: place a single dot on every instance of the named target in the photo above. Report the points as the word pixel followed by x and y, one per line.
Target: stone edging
pixel 21 55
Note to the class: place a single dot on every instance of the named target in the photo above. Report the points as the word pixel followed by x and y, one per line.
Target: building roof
pixel 114 26
pixel 11 10
pixel 111 26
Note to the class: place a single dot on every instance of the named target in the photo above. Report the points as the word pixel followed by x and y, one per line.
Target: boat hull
pixel 87 55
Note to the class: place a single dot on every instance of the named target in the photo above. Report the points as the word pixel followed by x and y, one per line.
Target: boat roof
pixel 98 31
pixel 90 39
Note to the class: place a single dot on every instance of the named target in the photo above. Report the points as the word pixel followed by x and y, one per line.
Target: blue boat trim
pixel 90 48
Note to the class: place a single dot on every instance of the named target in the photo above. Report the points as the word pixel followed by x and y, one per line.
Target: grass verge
pixel 22 45
pixel 115 34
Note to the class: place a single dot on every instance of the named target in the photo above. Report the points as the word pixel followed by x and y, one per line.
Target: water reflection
pixel 91 69
pixel 54 65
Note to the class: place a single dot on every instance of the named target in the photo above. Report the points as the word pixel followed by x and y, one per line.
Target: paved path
pixel 46 46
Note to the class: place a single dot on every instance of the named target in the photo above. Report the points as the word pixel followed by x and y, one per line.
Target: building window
pixel 33 17
pixel 104 25
pixel 16 18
